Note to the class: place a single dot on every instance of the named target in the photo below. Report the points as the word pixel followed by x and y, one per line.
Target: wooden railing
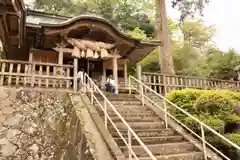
pixel 22 73
pixel 162 83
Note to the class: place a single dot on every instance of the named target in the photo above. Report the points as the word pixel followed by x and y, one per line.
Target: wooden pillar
pixel 88 68
pixel 125 74
pixel 60 55
pixel 60 61
pixel 139 72
pixel 104 76
pixel 115 69
pixel 1 50
pixel 139 77
pixel 30 69
pixel 75 70
pixel 30 58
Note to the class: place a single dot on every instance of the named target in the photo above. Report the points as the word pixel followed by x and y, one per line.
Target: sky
pixel 225 16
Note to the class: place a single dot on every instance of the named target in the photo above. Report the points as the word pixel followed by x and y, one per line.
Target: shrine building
pixel 38 43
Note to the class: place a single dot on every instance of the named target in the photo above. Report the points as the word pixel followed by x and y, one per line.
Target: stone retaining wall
pixel 37 125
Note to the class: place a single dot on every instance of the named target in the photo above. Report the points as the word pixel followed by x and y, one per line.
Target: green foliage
pixel 218 103
pixel 215 108
pixel 232 118
pixel 215 123
pixel 222 65
pixel 186 97
pixel 196 55
pixel 235 96
pixel 234 137
pixel 137 33
pixel 192 123
pixel 196 33
pixel 124 13
pixel 189 8
pixel 151 62
pixel 187 60
pixel 215 103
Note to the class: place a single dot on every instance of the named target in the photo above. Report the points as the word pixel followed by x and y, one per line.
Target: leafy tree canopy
pixel 125 13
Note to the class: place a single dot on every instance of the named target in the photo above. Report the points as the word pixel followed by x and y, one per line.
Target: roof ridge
pixel 35 12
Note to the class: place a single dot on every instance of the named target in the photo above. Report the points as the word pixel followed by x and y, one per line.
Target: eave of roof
pixel 12 12
pixel 67 20
pixel 44 14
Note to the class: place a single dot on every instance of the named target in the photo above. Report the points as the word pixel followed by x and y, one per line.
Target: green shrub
pixel 185 96
pixel 215 103
pixel 235 96
pixel 192 124
pixel 233 118
pixel 234 137
pixel 214 108
pixel 215 123
pixel 185 99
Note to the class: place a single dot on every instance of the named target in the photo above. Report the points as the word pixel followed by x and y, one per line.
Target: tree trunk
pixel 165 52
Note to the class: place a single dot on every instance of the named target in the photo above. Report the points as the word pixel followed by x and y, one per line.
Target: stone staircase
pixel 165 144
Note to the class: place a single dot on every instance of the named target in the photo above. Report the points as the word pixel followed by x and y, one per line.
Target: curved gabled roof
pixel 129 47
pixel 93 18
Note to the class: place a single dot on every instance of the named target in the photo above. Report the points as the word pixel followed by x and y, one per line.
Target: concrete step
pixel 116 98
pixel 152 140
pixel 145 133
pixel 161 149
pixel 126 113
pixel 136 118
pixel 130 107
pixel 139 125
pixel 118 95
pixel 181 156
pixel 116 103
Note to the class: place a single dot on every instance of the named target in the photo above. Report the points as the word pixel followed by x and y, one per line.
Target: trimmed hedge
pixel 185 99
pixel 214 103
pixel 216 108
pixel 215 123
pixel 217 103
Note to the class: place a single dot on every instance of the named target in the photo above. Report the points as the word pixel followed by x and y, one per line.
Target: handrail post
pixel 129 145
pixel 204 142
pixel 75 70
pixel 84 83
pixel 165 113
pixel 92 97
pixel 142 94
pixel 129 85
pixel 33 75
pixel 105 113
pixel 164 85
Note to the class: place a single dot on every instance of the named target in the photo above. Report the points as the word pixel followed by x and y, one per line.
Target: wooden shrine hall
pixel 38 44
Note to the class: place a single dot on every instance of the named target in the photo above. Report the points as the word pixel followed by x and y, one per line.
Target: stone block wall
pixel 40 126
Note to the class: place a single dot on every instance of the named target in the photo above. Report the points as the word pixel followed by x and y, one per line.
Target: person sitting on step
pixel 111 86
pixel 80 79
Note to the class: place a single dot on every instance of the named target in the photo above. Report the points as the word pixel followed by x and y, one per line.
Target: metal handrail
pixel 91 87
pixel 166 113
